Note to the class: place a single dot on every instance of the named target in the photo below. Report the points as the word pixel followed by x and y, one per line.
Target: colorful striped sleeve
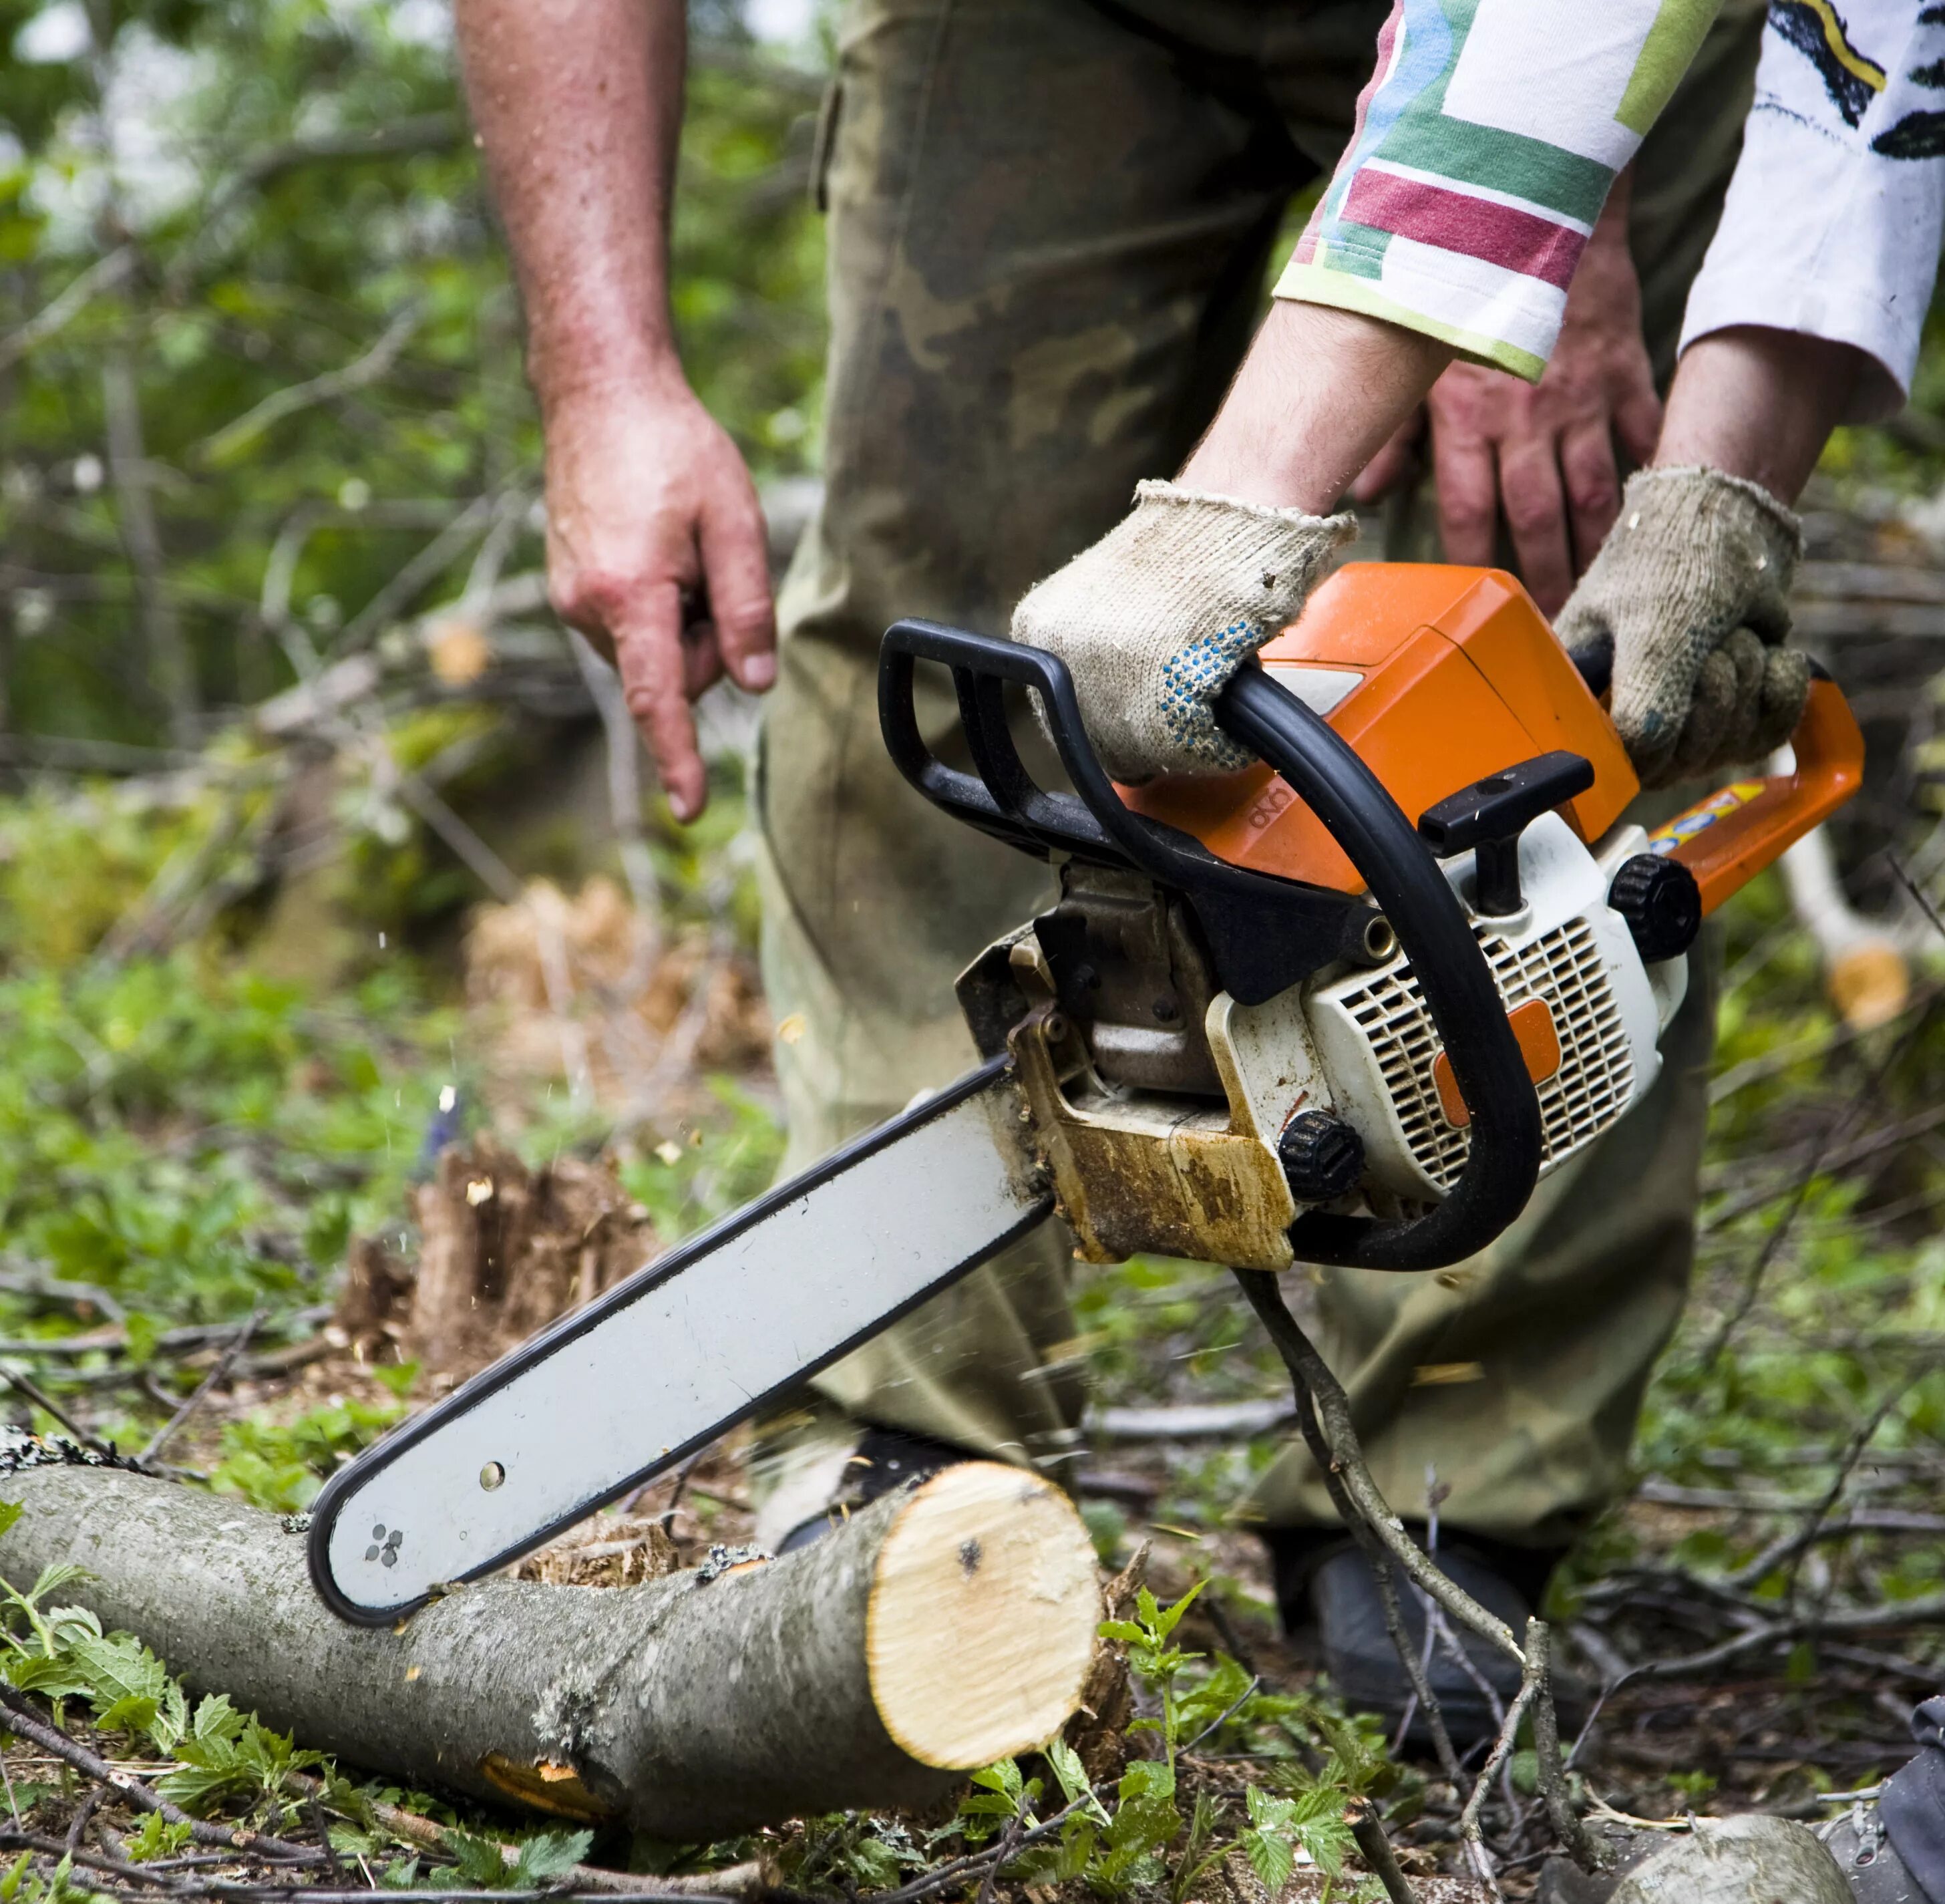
pixel 1484 148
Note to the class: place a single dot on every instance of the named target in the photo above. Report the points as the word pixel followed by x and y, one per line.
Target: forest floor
pixel 227 1182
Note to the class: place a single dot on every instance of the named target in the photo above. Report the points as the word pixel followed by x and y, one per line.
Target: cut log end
pixel 983 1604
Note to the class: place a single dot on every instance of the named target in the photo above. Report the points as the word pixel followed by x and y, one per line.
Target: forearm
pixel 1759 404
pixel 579 106
pixel 1315 399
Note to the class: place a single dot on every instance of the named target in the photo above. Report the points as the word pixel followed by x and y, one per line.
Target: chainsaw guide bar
pixel 679 1353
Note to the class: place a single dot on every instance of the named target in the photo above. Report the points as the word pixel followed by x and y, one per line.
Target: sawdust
pixel 503 1251
pixel 605 1553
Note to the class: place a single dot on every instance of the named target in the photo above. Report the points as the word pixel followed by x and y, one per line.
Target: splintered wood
pixel 503 1251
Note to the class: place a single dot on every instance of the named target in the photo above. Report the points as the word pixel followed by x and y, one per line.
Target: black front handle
pixel 1267 933
pixel 1456 983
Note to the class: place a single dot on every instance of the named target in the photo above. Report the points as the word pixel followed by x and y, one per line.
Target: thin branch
pixel 20 1717
pixel 1334 1407
pixel 1341 1459
pixel 1374 1846
pixel 1828 1141
pixel 170 665
pixel 31 1391
pixel 106 274
pixel 238 434
pixel 224 1363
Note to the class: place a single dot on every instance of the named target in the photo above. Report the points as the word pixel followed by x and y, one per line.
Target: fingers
pixel 701 660
pixel 1593 488
pixel 1786 687
pixel 1738 742
pixel 1747 700
pixel 1468 511
pixel 650 652
pixel 736 567
pixel 1636 417
pixel 1708 715
pixel 1536 509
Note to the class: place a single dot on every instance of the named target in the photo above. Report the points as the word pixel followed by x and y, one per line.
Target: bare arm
pixel 1319 394
pixel 651 516
pixel 1758 403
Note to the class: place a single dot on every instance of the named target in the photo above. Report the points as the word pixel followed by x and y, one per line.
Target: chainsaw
pixel 1346 1007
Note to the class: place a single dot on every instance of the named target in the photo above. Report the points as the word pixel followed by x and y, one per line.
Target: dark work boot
pixel 1868 1858
pixel 1323 1581
pixel 886 1458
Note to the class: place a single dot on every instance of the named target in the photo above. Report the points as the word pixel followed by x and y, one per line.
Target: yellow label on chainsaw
pixel 1664 840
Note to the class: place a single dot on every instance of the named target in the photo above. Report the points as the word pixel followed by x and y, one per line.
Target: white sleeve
pixel 1832 220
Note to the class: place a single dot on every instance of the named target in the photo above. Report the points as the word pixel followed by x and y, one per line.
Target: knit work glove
pixel 1692 587
pixel 1154 619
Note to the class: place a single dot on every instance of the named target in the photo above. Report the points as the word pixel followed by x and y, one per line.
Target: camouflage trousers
pixel 1049 223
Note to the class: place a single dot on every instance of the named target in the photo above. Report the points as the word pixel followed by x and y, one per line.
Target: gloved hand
pixel 1692 586
pixel 1154 619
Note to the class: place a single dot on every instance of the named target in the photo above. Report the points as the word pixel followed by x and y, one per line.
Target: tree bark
pixel 942 1627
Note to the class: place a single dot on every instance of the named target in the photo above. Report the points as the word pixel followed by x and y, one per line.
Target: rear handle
pixel 1726 839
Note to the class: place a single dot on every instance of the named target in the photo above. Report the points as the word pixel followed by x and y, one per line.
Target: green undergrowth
pixel 1158 1830
pixel 209 1760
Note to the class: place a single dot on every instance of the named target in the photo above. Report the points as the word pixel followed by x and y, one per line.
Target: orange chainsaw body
pixel 1439 676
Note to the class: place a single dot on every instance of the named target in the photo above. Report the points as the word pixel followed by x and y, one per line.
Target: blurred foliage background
pixel 252 304
pixel 319 844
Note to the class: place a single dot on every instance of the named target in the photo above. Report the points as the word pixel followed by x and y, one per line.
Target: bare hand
pixel 656 552
pixel 1543 453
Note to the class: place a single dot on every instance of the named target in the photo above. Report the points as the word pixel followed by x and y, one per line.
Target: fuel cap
pixel 1661 902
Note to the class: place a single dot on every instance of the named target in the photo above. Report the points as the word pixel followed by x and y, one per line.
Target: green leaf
pixel 132 1712
pixel 1002 1776
pixel 118 1667
pixel 172 1718
pixel 157 1837
pixel 1170 1618
pixel 1272 1857
pixel 10 1512
pixel 399 1377
pixel 1072 1775
pixel 144 1333
pixel 194 1787
pixel 551 1855
pixel 479 1860
pixel 53 1677
pixel 1147 1777
pixel 217 1720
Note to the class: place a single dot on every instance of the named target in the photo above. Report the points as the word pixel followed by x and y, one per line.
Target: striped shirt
pixel 1484 148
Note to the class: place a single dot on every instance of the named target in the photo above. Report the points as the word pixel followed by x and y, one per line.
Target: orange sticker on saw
pixel 1539 1045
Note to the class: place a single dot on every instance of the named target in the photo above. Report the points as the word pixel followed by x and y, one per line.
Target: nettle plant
pixel 1137 1839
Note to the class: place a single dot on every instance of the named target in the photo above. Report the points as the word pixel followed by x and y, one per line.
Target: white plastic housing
pixel 1567 947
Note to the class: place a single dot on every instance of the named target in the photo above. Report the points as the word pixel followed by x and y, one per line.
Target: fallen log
pixel 941 1628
